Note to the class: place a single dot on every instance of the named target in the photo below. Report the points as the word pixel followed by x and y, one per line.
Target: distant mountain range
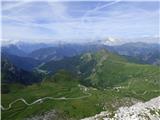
pixel 13 50
pixel 138 52
pixel 30 47
pixel 61 51
pixel 73 57
pixel 25 63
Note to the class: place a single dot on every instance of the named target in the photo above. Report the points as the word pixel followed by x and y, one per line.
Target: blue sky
pixel 78 21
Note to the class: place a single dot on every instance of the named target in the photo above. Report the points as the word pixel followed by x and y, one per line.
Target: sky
pixel 81 21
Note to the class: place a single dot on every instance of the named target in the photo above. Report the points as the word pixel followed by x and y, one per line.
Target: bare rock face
pixel 51 115
pixel 140 111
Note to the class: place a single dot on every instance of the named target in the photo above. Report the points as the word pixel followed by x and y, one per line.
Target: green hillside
pixel 62 84
pixel 110 79
pixel 103 69
pixel 113 71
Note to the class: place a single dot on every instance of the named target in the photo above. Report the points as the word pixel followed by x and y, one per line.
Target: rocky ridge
pixel 140 111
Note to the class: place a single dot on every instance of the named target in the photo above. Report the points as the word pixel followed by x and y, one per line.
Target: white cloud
pixel 52 21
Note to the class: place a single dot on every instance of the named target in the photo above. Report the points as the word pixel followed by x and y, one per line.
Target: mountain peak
pixel 109 41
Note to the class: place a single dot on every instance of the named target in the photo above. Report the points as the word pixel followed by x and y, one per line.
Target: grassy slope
pixel 137 81
pixel 71 108
pixel 114 73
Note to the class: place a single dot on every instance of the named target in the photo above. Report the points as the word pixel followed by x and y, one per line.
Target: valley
pixel 79 86
pixel 80 60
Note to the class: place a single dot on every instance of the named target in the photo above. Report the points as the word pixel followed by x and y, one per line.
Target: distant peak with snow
pixel 109 41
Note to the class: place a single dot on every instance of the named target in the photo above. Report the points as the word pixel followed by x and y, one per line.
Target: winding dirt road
pixel 42 99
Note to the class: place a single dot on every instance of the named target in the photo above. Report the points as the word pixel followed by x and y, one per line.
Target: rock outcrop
pixel 140 111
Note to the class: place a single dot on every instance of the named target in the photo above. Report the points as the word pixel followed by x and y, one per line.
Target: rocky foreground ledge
pixel 140 111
